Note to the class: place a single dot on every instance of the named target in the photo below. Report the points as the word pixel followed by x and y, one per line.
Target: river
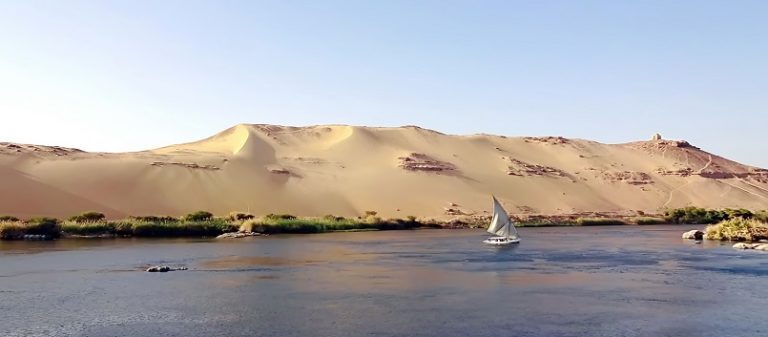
pixel 564 281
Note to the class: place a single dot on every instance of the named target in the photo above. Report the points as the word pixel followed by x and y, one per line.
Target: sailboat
pixel 501 226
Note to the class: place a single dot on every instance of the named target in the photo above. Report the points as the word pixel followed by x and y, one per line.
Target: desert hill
pixel 346 170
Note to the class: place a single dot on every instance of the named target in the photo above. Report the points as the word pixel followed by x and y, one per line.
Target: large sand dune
pixel 346 170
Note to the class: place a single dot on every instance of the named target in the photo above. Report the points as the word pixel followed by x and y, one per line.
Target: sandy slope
pixel 346 170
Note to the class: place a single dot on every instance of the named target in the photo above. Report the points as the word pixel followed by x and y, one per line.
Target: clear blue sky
pixel 131 75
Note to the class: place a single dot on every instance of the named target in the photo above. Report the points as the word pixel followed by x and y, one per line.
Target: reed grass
pixel 289 224
pixel 15 230
pixel 649 221
pixel 138 228
pixel 12 230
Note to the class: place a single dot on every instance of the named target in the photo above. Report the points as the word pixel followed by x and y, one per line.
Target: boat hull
pixel 500 241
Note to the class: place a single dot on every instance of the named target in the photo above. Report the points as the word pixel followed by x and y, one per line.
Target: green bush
pixel 87 217
pixel 737 229
pixel 761 216
pixel 698 215
pixel 88 228
pixel 152 218
pixel 44 226
pixel 199 216
pixel 279 217
pixel 8 218
pixel 240 216
pixel 695 215
pixel 332 218
pixel 123 227
pixel 12 230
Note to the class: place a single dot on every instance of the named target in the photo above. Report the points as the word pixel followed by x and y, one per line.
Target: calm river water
pixel 588 281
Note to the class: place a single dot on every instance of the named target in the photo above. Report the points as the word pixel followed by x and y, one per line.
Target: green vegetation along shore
pixel 198 224
pixel 205 224
pixel 738 229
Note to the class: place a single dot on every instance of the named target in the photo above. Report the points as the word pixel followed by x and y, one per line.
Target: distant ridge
pixel 396 171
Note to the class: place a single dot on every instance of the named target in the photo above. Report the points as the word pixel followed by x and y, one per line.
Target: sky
pixel 134 75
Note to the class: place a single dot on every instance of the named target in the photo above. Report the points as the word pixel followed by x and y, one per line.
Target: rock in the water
pixel 742 245
pixel 158 269
pixel 693 235
pixel 237 235
pixel 763 247
pixel 36 237
pixel 164 269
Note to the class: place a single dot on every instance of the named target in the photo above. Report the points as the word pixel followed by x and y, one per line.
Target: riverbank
pixel 162 227
pixel 191 226
pixel 205 224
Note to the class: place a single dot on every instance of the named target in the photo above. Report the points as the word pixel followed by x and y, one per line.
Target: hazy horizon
pixel 120 76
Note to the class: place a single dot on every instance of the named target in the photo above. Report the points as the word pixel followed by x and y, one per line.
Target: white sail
pixel 500 223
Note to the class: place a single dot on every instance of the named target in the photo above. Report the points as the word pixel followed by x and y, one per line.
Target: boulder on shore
pixel 693 235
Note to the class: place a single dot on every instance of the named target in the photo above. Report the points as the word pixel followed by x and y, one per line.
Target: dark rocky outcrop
pixel 187 165
pixel 425 163
pixel 628 177
pixel 521 169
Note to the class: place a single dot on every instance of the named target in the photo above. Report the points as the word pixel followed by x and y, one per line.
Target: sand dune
pixel 346 170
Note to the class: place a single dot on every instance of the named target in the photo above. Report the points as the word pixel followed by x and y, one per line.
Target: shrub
pixel 88 228
pixel 87 217
pixel 737 229
pixel 333 218
pixel 199 216
pixel 410 218
pixel 695 215
pixel 761 216
pixel 370 213
pixel 279 217
pixel 152 218
pixel 123 228
pixel 12 230
pixel 738 213
pixel 240 216
pixel 44 226
pixel 8 218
